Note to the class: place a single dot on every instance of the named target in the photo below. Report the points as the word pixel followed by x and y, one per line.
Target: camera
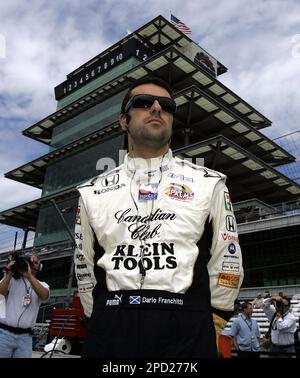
pixel 20 266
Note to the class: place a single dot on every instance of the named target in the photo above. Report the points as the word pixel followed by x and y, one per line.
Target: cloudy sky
pixel 41 41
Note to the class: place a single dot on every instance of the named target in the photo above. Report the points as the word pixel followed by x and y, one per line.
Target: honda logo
pixel 110 180
pixel 230 223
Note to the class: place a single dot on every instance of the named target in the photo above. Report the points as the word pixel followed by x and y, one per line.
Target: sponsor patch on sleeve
pixel 229 280
pixel 230 223
pixel 227 202
pixel 229 236
pixel 230 266
pixel 77 219
pixel 85 288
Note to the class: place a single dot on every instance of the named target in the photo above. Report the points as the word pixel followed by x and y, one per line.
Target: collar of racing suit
pixel 147 167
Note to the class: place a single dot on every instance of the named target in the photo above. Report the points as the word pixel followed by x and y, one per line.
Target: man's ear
pixel 123 122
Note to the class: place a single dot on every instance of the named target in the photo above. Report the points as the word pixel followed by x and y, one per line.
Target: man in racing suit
pixel 158 262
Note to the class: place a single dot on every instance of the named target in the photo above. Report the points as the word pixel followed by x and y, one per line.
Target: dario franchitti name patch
pixel 180 192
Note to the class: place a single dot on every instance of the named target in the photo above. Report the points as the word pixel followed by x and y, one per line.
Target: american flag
pixel 180 25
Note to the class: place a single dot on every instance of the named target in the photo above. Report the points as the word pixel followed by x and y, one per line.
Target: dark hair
pixel 145 80
pixel 245 305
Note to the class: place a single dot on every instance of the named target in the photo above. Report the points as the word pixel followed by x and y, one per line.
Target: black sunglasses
pixel 145 101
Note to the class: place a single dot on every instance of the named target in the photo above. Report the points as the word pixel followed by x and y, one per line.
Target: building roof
pixel 202 114
pixel 26 215
pixel 33 172
pixel 171 63
pixel 248 176
pixel 157 34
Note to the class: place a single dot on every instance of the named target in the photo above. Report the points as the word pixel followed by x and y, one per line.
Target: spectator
pixel 245 333
pixel 297 340
pixel 257 302
pixel 267 294
pixel 24 295
pixel 237 306
pixel 282 324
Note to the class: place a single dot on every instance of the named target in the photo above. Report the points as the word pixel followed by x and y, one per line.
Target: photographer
pixel 283 326
pixel 24 294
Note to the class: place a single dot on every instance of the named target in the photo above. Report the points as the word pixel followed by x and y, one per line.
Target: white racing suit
pixel 157 254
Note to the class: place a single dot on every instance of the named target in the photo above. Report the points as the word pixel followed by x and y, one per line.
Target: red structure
pixel 68 322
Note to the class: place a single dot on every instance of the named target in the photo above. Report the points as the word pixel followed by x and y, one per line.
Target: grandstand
pixel 261 318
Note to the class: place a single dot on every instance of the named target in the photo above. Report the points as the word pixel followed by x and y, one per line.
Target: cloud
pixel 257 47
pixel 11 192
